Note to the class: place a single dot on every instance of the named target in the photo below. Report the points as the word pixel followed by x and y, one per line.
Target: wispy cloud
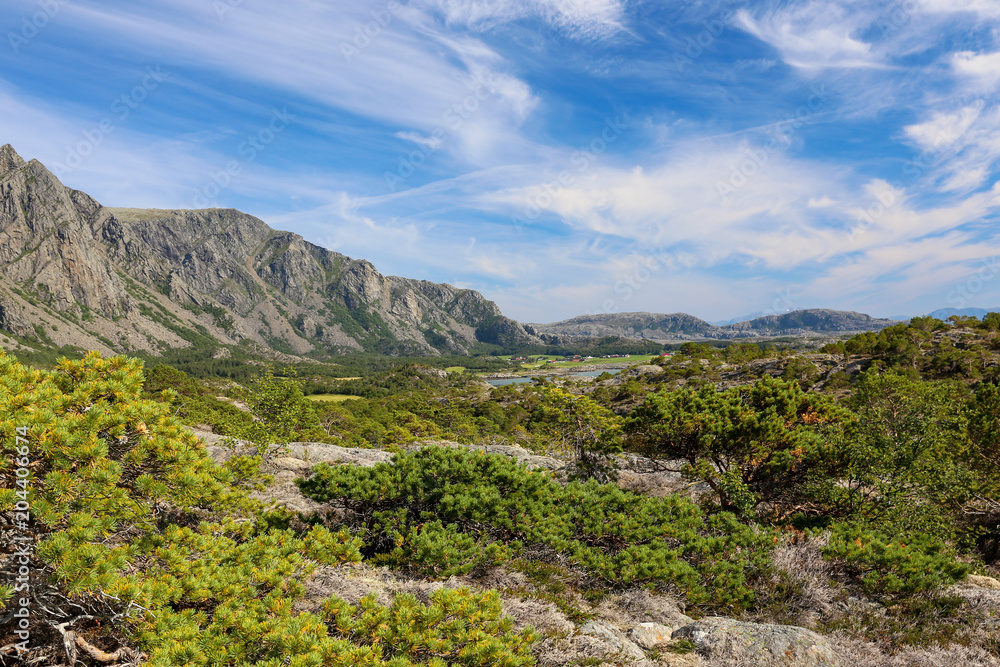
pixel 982 8
pixel 969 137
pixel 982 68
pixel 814 35
pixel 581 18
pixel 491 109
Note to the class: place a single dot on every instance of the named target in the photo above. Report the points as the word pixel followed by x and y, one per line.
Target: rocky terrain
pixel 73 272
pixel 633 628
pixel 681 326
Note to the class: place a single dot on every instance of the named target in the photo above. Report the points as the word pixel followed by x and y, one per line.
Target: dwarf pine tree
pixel 142 547
pixel 756 446
pixel 593 431
pixel 441 511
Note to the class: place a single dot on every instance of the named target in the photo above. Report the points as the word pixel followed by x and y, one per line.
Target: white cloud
pixel 685 199
pixel 405 73
pixel 981 68
pixel 963 145
pixel 982 8
pixel 814 35
pixel 431 142
pixel 944 129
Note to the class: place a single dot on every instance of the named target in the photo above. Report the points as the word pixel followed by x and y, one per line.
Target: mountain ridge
pixel 74 272
pixel 681 326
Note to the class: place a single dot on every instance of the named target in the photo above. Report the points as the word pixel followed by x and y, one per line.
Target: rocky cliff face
pixel 73 272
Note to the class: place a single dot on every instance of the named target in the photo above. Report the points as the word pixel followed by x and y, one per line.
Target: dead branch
pixel 73 643
pixel 124 653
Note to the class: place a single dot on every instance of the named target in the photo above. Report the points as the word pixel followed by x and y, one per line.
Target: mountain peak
pixel 9 159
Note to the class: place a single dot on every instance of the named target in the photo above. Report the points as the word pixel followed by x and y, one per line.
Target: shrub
pixel 903 457
pixel 473 501
pixel 894 565
pixel 457 627
pixel 593 431
pixel 142 541
pixel 753 445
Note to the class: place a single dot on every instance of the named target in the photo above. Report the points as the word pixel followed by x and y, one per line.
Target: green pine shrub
pixel 760 447
pixel 142 541
pixel 457 627
pixel 903 564
pixel 472 501
pixel 437 551
pixel 905 458
pixel 592 430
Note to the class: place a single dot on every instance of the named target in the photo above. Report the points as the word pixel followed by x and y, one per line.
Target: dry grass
pixel 858 653
pixel 800 561
pixel 640 606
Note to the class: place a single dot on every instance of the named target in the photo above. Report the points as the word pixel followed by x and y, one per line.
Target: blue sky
pixel 560 156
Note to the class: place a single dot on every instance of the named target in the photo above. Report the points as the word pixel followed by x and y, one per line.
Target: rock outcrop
pixel 73 272
pixel 758 644
pixel 615 641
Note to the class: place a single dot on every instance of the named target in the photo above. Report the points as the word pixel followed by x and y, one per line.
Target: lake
pixel 582 374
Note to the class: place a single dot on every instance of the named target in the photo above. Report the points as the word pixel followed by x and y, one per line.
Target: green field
pixel 332 397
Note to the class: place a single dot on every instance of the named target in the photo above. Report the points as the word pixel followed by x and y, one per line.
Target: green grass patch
pixel 336 398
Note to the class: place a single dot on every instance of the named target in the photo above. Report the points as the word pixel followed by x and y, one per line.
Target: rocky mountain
pixel 805 322
pixel 680 326
pixel 652 326
pixel 945 313
pixel 73 272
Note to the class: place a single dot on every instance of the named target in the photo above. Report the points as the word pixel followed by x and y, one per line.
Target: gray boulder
pixel 758 644
pixel 650 635
pixel 614 639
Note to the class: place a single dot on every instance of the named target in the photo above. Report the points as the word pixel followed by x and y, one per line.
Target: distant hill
pixel 75 273
pixel 945 313
pixel 681 326
pixel 812 320
pixel 630 325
